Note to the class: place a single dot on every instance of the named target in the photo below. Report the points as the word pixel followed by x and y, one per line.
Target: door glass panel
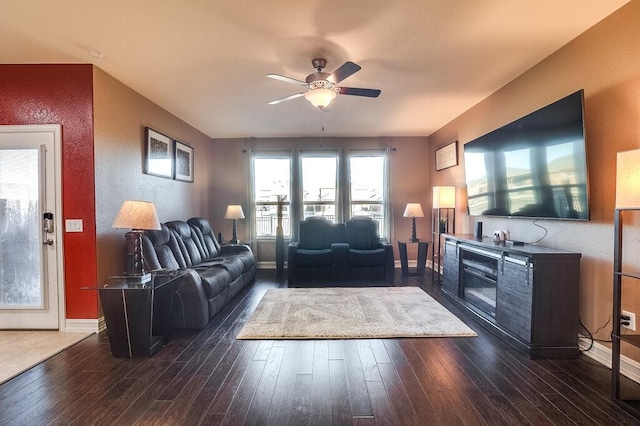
pixel 20 247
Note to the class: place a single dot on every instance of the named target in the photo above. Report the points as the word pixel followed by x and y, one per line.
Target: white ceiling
pixel 205 60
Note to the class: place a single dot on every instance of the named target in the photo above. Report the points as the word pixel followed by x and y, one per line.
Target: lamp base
pixel 135 258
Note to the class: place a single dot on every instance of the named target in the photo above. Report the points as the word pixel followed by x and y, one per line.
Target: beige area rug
pixel 351 313
pixel 21 350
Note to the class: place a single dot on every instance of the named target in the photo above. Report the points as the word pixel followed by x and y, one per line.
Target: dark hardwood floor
pixel 208 377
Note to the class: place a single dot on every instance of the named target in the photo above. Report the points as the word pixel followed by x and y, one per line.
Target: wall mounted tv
pixel 535 167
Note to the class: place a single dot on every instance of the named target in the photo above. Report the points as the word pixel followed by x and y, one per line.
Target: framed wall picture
pixel 447 156
pixel 183 162
pixel 159 154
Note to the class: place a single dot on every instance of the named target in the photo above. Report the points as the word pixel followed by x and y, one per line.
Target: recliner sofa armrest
pixel 190 307
pixel 390 262
pixel 292 251
pixel 340 260
pixel 226 249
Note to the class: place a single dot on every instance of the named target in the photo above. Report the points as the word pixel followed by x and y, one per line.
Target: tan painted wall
pixel 409 168
pixel 604 61
pixel 120 118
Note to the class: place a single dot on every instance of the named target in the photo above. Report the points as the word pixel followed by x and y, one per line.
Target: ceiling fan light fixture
pixel 320 98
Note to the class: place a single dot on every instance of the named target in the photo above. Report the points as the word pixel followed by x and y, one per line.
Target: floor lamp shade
pixel 137 216
pixel 628 179
pixel 234 211
pixel 444 197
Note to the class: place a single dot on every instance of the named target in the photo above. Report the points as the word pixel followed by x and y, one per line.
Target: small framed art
pixel 159 154
pixel 183 162
pixel 447 156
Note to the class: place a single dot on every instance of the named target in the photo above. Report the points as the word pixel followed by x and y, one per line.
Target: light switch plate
pixel 73 225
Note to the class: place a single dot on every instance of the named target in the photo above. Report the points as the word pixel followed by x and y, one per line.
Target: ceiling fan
pixel 322 87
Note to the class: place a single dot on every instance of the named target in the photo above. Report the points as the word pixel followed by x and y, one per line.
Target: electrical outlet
pixel 632 320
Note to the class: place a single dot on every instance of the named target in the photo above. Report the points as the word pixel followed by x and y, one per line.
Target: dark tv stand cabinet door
pixel 536 301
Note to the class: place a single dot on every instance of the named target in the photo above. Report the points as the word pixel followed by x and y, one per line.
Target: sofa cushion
pixel 362 233
pixel 188 242
pixel 233 265
pixel 214 281
pixel 317 233
pixel 161 249
pixel 205 234
pixel 246 256
pixel 367 258
pixel 313 258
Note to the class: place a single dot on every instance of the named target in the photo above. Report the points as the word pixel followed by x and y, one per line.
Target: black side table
pixel 138 315
pixel 422 257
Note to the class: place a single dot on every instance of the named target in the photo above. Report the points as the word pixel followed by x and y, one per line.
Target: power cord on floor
pixel 591 338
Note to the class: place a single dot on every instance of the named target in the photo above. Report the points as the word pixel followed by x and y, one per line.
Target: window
pixel 271 186
pixel 367 187
pixel 336 185
pixel 319 186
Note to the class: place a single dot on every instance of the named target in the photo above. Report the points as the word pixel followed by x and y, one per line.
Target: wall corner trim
pixel 602 354
pixel 84 325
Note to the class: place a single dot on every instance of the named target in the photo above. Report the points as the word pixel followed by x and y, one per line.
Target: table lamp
pixel 234 211
pixel 413 210
pixel 137 216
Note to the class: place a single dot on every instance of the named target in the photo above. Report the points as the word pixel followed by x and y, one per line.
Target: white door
pixel 30 237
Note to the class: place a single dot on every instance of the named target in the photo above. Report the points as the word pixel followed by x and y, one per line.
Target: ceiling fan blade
pixel 286 79
pixel 369 93
pixel 286 98
pixel 343 72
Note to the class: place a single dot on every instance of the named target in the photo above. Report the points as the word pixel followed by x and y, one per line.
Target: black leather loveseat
pixel 215 274
pixel 336 251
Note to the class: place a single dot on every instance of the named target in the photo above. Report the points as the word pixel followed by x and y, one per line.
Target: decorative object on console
pixel 478 230
pixel 413 210
pixel 183 162
pixel 442 214
pixel 137 216
pixel 234 211
pixel 159 150
pixel 627 204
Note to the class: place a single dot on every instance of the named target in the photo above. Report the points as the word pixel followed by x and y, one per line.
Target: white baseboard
pixel 602 354
pixel 410 264
pixel 84 325
pixel 270 264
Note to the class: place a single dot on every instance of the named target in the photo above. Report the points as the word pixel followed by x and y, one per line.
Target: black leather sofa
pixel 215 274
pixel 349 251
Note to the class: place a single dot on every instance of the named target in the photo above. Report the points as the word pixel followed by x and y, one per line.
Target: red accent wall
pixel 63 94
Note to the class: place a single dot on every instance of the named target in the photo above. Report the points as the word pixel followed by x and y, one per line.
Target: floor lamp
pixel 443 214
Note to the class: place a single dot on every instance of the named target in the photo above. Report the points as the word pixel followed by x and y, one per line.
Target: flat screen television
pixel 534 167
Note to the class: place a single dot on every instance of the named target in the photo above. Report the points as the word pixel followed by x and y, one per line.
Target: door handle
pixel 47 242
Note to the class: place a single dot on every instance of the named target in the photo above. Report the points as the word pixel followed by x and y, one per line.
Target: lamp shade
pixel 137 215
pixel 413 210
pixel 234 211
pixel 628 179
pixel 320 98
pixel 444 197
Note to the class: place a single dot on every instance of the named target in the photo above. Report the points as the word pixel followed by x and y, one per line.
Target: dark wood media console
pixel 526 294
